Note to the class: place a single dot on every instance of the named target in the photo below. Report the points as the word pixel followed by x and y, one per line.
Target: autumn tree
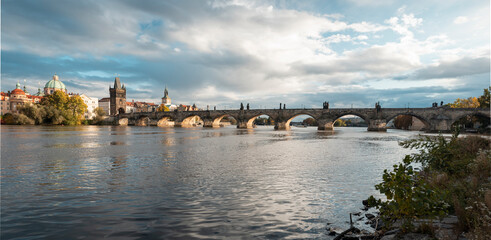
pixel 71 108
pixel 473 102
pixel 403 122
pixel 163 108
pixel 340 123
pixel 484 99
pixel 310 122
pixel 99 115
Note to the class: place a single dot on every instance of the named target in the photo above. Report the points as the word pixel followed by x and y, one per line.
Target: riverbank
pixel 448 197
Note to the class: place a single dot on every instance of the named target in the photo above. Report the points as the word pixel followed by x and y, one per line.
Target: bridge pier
pixel 211 123
pixel 142 122
pixel 245 124
pixel 282 125
pixel 325 126
pixel 441 125
pixel 377 125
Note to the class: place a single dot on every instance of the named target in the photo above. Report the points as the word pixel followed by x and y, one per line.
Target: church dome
pixel 18 91
pixel 55 83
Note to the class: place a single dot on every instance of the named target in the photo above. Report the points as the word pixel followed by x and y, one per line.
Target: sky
pixel 351 53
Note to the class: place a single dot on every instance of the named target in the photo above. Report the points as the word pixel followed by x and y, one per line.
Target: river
pixel 93 182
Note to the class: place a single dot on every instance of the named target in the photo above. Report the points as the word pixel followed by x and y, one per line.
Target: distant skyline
pixel 221 53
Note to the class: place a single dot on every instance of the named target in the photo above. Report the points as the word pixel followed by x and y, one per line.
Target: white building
pixel 92 103
pixel 105 104
pixel 130 107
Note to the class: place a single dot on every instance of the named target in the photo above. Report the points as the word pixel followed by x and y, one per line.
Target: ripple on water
pixel 149 182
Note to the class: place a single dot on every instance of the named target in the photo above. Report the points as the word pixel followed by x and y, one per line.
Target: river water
pixel 94 182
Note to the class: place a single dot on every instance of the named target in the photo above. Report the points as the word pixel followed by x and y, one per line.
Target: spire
pixel 117 84
pixel 17 86
pixel 166 93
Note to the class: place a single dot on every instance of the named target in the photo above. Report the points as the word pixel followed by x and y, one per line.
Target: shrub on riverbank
pixel 454 178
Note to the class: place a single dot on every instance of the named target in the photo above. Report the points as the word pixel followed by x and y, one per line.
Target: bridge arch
pixel 122 122
pixel 249 123
pixel 166 121
pixel 338 116
pixel 427 123
pixel 469 120
pixel 193 120
pixel 216 122
pixel 288 122
pixel 143 121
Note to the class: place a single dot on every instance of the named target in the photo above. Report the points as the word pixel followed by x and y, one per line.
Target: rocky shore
pixel 426 229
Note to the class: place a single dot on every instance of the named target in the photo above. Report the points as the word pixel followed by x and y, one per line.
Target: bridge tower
pixel 117 98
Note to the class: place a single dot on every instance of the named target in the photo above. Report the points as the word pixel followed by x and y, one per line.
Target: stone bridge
pixel 435 119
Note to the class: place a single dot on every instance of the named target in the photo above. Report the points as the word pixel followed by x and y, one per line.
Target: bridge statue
pixel 435 119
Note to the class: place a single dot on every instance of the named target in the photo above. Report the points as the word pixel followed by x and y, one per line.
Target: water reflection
pixel 150 182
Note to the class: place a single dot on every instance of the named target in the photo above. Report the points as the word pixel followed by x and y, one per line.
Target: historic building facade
pixel 117 98
pixel 92 103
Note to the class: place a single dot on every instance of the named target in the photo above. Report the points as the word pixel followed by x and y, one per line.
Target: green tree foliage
pixel 484 99
pixel 454 177
pixel 263 121
pixel 16 119
pixel 71 108
pixel 310 122
pixel 58 99
pixel 403 122
pixel 409 197
pixel 340 123
pixel 99 115
pixel 229 119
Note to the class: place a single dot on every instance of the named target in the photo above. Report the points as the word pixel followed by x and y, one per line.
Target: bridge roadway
pixel 435 118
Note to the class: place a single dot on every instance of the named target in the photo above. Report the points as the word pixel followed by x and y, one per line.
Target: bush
pixel 409 197
pixel 21 119
pixel 455 178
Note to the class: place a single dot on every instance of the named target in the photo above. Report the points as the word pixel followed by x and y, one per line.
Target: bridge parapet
pixel 435 119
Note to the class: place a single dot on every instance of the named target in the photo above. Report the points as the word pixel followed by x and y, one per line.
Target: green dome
pixel 55 83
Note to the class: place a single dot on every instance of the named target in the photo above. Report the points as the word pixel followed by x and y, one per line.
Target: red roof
pixel 18 91
pixel 32 96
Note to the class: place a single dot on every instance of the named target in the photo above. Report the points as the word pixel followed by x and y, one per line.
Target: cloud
pixel 460 20
pixel 451 69
pixel 213 52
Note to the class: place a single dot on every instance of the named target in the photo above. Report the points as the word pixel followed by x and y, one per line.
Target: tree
pixel 310 122
pixel 340 123
pixel 58 99
pixel 163 108
pixel 99 114
pixel 403 122
pixel 71 108
pixel 471 102
pixel 484 99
